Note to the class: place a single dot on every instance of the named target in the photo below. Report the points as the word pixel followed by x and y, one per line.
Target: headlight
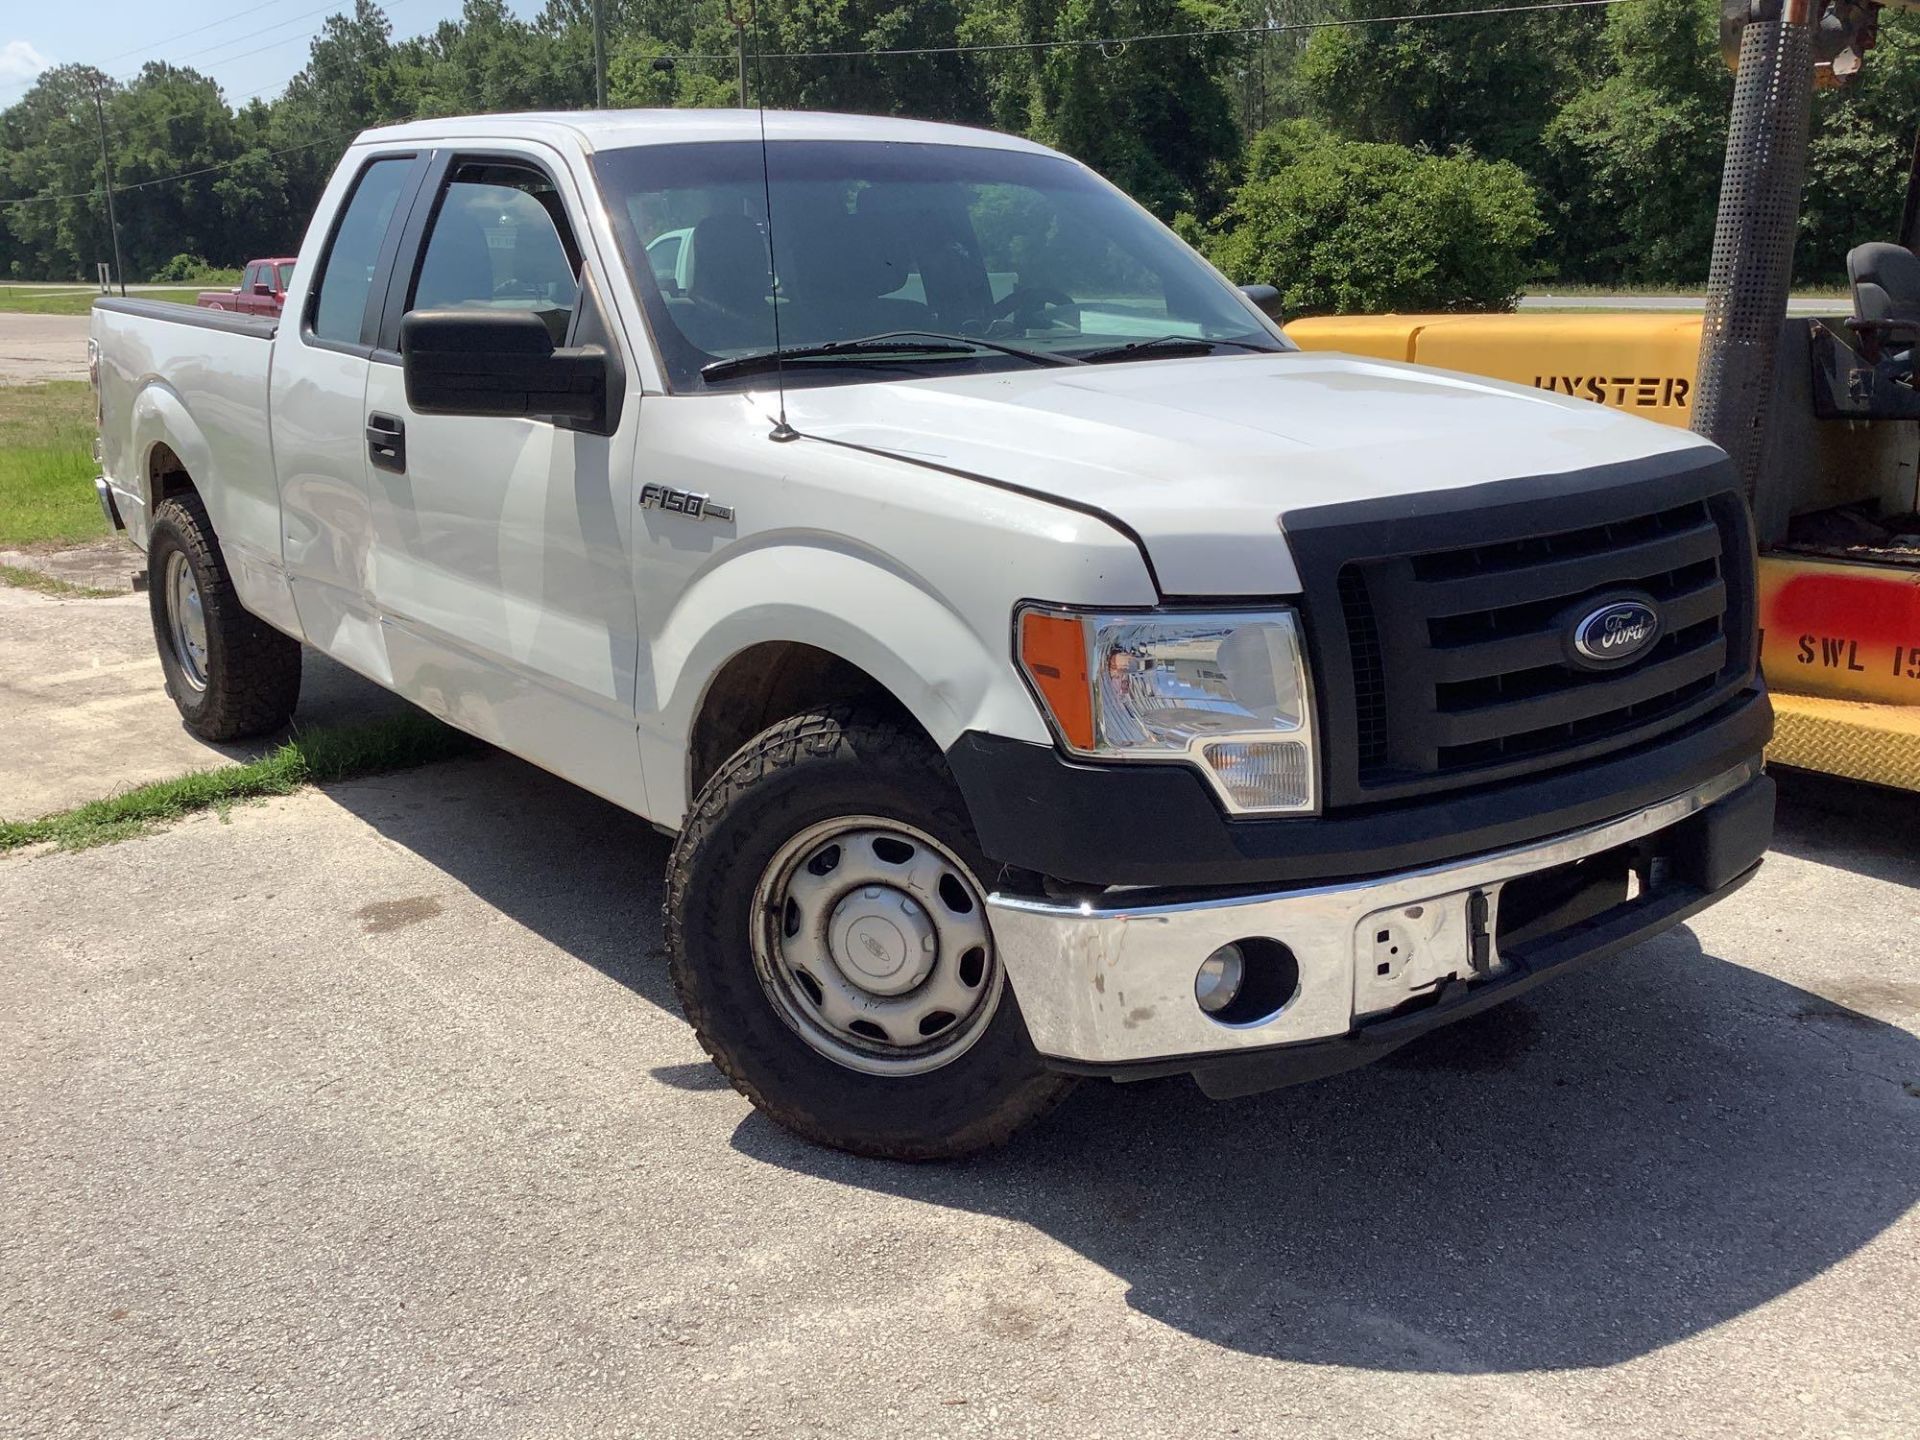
pixel 1225 692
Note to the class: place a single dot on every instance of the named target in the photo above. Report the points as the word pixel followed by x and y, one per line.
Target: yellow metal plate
pixel 1642 364
pixel 1379 337
pixel 1876 743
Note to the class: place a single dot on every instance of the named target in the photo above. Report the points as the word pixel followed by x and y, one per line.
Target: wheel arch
pixel 175 455
pixel 777 631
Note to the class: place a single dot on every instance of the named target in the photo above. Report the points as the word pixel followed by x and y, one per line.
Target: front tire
pixel 828 939
pixel 230 674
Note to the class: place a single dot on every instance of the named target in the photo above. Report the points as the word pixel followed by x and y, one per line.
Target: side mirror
pixel 500 362
pixel 1266 299
pixel 261 287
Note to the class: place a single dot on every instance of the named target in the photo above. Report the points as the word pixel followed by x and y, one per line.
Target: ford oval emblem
pixel 1617 632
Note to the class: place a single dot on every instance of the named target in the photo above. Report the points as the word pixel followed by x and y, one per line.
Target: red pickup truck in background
pixel 262 289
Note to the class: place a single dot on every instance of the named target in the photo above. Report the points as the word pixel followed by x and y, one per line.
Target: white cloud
pixel 20 65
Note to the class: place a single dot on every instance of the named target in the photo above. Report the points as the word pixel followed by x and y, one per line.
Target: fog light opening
pixel 1247 982
pixel 1218 981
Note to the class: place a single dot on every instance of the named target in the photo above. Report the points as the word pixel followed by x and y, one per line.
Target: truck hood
pixel 1203 458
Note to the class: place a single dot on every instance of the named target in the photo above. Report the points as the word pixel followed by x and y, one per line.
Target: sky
pixel 249 46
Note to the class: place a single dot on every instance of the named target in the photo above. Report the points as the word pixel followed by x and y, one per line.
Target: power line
pixel 197 30
pixel 1120 42
pixel 191 174
pixel 304 15
pixel 1105 43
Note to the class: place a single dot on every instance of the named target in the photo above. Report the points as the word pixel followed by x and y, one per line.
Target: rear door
pixel 501 565
pixel 317 400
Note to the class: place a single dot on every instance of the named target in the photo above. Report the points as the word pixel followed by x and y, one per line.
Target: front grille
pixel 1369 668
pixel 1455 670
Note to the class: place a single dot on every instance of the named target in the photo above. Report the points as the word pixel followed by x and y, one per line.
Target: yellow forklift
pixel 1822 416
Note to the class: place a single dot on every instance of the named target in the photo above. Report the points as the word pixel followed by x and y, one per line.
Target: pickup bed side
pixel 184 400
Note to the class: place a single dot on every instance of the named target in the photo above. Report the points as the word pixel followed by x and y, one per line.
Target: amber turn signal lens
pixel 1053 652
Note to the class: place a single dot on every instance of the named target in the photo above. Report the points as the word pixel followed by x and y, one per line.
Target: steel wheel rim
pixel 867 932
pixel 187 621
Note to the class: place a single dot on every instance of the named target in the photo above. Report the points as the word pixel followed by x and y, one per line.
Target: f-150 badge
pixel 683 502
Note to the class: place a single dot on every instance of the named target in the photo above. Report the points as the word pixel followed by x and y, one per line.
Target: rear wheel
pixel 230 673
pixel 830 944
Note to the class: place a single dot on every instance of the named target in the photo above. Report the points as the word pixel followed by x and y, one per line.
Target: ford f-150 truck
pixel 1045 668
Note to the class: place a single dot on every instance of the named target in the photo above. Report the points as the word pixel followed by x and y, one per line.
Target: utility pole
pixel 600 54
pixel 740 23
pixel 106 166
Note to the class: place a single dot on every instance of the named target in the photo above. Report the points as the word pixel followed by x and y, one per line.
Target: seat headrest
pixel 727 264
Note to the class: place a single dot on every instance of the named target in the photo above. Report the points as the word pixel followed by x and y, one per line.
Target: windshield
pixel 875 238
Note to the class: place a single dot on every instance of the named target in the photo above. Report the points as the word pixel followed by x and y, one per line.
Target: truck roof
pixel 617 129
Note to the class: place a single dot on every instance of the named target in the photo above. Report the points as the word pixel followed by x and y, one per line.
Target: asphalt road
pixel 368 1113
pixel 1583 301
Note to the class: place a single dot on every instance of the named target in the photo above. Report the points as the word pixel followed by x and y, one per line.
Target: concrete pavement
pixel 84 712
pixel 367 1113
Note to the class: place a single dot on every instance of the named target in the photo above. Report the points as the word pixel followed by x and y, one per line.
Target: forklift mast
pixel 1780 51
pixel 1752 267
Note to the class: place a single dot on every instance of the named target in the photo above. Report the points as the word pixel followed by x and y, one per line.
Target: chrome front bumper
pixel 1106 984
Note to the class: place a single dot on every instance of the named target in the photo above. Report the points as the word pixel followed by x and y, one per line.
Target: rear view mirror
pixel 261 287
pixel 500 362
pixel 1266 299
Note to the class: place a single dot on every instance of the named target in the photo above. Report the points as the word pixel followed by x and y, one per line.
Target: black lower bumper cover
pixel 1705 857
pixel 1160 825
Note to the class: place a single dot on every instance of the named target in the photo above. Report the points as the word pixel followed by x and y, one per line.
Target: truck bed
pixel 183 388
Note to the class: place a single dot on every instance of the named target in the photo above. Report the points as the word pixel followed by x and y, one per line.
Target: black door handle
pixel 387 442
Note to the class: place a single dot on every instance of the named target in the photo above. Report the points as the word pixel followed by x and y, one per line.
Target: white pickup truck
pixel 1046 669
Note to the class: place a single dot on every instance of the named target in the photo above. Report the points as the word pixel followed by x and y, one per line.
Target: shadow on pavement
pixel 1867 829
pixel 1614 1164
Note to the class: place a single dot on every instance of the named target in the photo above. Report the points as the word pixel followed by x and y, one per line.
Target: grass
pixel 49 584
pixel 343 752
pixel 31 300
pixel 46 465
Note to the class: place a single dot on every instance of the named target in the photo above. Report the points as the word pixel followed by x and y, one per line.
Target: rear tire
pixel 755 925
pixel 231 674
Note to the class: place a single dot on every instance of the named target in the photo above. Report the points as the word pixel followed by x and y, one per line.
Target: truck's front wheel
pixel 230 673
pixel 830 944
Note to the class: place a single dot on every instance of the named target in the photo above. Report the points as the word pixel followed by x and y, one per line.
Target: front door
pixel 501 564
pixel 317 399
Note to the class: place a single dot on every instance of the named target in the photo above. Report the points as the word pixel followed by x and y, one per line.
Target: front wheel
pixel 830 944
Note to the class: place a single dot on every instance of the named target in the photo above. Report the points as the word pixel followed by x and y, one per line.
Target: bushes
pixel 1342 226
pixel 192 270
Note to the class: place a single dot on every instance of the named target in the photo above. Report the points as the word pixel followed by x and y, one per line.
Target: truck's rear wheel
pixel 829 942
pixel 231 674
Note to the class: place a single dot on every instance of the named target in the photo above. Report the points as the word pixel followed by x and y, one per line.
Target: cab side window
pixel 500 241
pixel 339 303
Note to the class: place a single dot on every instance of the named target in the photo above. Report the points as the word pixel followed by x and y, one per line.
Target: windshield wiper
pixel 926 344
pixel 1174 345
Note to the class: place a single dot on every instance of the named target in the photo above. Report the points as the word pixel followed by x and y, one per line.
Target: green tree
pixel 1491 82
pixel 1635 158
pixel 1348 226
pixel 1154 116
pixel 1863 135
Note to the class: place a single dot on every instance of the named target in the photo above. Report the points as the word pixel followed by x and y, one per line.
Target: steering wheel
pixel 1028 300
